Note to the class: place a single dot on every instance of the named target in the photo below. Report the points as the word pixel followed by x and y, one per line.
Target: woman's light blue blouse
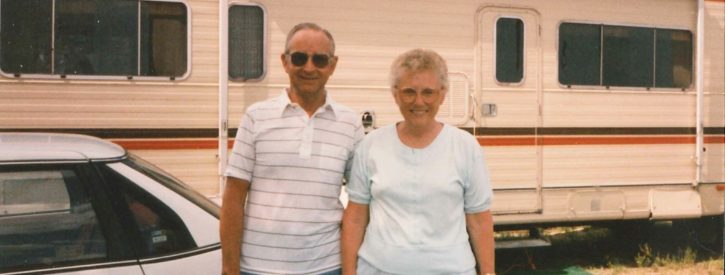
pixel 418 199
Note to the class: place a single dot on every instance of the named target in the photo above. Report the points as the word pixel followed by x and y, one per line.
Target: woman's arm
pixel 480 230
pixel 354 222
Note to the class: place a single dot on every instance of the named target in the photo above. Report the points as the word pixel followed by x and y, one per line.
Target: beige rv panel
pixel 536 176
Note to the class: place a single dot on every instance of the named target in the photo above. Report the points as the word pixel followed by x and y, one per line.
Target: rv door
pixel 508 95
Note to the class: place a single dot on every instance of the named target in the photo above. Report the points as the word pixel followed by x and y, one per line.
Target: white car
pixel 74 204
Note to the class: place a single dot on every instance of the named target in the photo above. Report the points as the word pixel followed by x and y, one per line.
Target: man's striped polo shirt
pixel 295 164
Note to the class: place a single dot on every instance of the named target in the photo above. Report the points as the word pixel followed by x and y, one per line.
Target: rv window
pixel 25 36
pixel 674 58
pixel 509 50
pixel 93 37
pixel 163 39
pixel 621 56
pixel 627 58
pixel 246 42
pixel 579 50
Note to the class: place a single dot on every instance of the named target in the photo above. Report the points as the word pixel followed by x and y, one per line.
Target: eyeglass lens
pixel 410 94
pixel 319 60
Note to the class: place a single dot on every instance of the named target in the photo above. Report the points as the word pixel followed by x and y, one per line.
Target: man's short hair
pixel 309 26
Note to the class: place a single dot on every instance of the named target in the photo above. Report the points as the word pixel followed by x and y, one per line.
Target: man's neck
pixel 309 102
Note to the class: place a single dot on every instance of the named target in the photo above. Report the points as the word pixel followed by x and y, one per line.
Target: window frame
pixel 134 77
pixel 601 86
pixel 524 57
pixel 265 42
pixel 130 228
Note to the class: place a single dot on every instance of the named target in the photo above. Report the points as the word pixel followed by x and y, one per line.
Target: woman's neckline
pixel 418 141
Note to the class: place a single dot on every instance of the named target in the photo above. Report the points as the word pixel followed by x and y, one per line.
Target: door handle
pixel 488 110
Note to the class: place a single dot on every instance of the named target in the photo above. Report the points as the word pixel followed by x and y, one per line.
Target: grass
pixel 660 248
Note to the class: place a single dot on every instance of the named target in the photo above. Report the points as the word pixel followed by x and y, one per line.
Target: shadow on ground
pixel 620 246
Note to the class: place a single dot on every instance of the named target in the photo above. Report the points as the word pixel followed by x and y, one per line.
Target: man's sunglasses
pixel 319 60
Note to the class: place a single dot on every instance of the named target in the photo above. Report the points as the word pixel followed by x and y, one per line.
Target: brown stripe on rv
pixel 207 133
pixel 206 138
pixel 178 144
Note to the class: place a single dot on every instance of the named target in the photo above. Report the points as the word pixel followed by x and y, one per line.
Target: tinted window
pixel 93 37
pixel 674 58
pixel 246 42
pixel 579 54
pixel 158 229
pixel 25 37
pixel 628 56
pixel 509 50
pixel 47 219
pixel 624 56
pixel 163 39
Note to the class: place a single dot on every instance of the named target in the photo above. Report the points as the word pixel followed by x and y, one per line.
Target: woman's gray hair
pixel 418 60
pixel 309 26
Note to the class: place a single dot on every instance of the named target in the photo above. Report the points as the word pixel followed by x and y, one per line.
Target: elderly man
pixel 281 212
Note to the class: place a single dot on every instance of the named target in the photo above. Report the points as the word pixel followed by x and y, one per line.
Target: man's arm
pixel 232 223
pixel 354 222
pixel 480 230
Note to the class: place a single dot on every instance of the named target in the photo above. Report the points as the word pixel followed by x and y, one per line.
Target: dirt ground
pixel 646 248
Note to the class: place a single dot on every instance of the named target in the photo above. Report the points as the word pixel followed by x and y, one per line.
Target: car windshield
pixel 172 183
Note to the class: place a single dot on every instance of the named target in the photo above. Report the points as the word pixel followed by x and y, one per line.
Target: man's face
pixel 419 94
pixel 308 78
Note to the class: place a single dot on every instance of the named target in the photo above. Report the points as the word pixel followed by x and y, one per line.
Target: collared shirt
pixel 418 199
pixel 295 165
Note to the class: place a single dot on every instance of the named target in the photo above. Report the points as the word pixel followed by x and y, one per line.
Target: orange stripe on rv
pixel 517 141
pixel 168 144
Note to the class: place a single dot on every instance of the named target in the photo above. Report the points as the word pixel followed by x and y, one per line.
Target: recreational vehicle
pixel 587 110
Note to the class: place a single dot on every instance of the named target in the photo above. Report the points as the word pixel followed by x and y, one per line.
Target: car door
pixel 52 222
pixel 171 233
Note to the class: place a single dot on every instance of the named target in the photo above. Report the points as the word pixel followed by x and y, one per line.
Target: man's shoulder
pixel 265 106
pixel 345 113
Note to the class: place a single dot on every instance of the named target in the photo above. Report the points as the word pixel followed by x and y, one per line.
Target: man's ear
pixel 333 65
pixel 283 58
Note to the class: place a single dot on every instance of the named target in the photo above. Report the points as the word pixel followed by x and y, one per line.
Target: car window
pixel 172 183
pixel 158 228
pixel 47 219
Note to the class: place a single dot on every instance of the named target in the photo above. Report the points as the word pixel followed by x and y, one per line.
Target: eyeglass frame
pixel 309 57
pixel 409 95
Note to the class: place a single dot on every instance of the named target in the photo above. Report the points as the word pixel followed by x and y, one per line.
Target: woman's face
pixel 419 94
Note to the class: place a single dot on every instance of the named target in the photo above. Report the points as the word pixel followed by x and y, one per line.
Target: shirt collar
pixel 283 103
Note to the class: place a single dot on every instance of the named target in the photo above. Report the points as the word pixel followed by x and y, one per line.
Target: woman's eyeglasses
pixel 319 60
pixel 408 95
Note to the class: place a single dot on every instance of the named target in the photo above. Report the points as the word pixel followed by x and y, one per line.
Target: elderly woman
pixel 419 190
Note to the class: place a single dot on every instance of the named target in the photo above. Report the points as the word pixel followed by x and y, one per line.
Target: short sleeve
pixel 358 188
pixel 477 195
pixel 357 137
pixel 242 159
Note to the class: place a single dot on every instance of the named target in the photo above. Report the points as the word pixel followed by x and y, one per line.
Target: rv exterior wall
pixel 556 152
